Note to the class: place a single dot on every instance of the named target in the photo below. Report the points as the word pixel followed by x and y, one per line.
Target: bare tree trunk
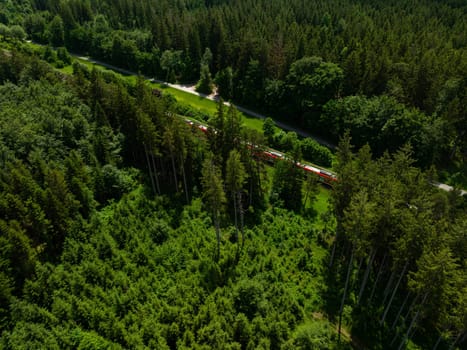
pixel 149 168
pixel 345 293
pixel 394 292
pixel 218 234
pixel 184 181
pixel 258 169
pixel 455 341
pixel 367 273
pixel 241 217
pixel 378 275
pixel 360 263
pixel 164 170
pixel 438 341
pixel 387 289
pixel 155 174
pixel 251 196
pixel 463 338
pixel 404 340
pixel 174 170
pixel 334 248
pixel 235 215
pixel 400 311
pixel 406 336
pixel 411 306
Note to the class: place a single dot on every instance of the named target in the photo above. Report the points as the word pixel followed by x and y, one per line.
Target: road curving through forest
pixel 213 97
pixel 190 89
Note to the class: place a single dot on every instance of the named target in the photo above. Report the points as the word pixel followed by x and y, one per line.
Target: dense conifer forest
pixel 123 226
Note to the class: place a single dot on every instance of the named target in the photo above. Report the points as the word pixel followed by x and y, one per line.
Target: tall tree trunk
pixel 394 292
pixel 463 338
pixel 360 263
pixel 241 217
pixel 437 342
pixel 345 293
pixel 235 215
pixel 174 170
pixel 406 336
pixel 367 273
pixel 251 193
pixel 411 306
pixel 400 311
pixel 156 177
pixel 387 289
pixel 218 234
pixel 164 170
pixel 184 181
pixel 258 170
pixel 334 247
pixel 378 275
pixel 455 341
pixel 149 168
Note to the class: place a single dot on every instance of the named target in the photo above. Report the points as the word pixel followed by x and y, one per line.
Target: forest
pixel 392 72
pixel 123 226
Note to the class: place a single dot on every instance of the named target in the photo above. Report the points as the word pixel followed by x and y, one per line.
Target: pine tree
pixel 235 179
pixel 213 194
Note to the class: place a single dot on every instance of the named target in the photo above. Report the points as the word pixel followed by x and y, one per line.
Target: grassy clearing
pixel 203 105
pixel 320 205
pixel 253 123
pixel 206 106
pixel 200 104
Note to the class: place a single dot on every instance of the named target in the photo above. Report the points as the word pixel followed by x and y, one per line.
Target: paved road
pixel 190 89
pixel 285 126
pixel 448 188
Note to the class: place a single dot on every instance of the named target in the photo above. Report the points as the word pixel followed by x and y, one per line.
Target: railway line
pixel 325 175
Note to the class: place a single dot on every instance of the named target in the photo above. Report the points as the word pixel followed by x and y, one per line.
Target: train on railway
pixel 324 176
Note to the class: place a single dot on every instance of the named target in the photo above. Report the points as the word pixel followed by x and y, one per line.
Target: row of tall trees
pixel 63 156
pixel 289 58
pixel 74 256
pixel 398 258
pixel 123 226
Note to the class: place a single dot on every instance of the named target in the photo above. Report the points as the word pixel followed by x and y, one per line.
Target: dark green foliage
pixel 311 83
pixel 171 63
pixel 286 185
pixel 63 55
pixel 56 32
pixel 312 335
pixel 316 153
pixel 15 32
pixel 128 271
pixel 95 253
pixel 394 234
pixel 49 178
pixel 269 130
pixel 119 287
pixel 204 85
pixel 384 124
pixel 224 82
pixel 287 58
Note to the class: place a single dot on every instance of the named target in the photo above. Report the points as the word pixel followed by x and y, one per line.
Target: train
pixel 324 176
